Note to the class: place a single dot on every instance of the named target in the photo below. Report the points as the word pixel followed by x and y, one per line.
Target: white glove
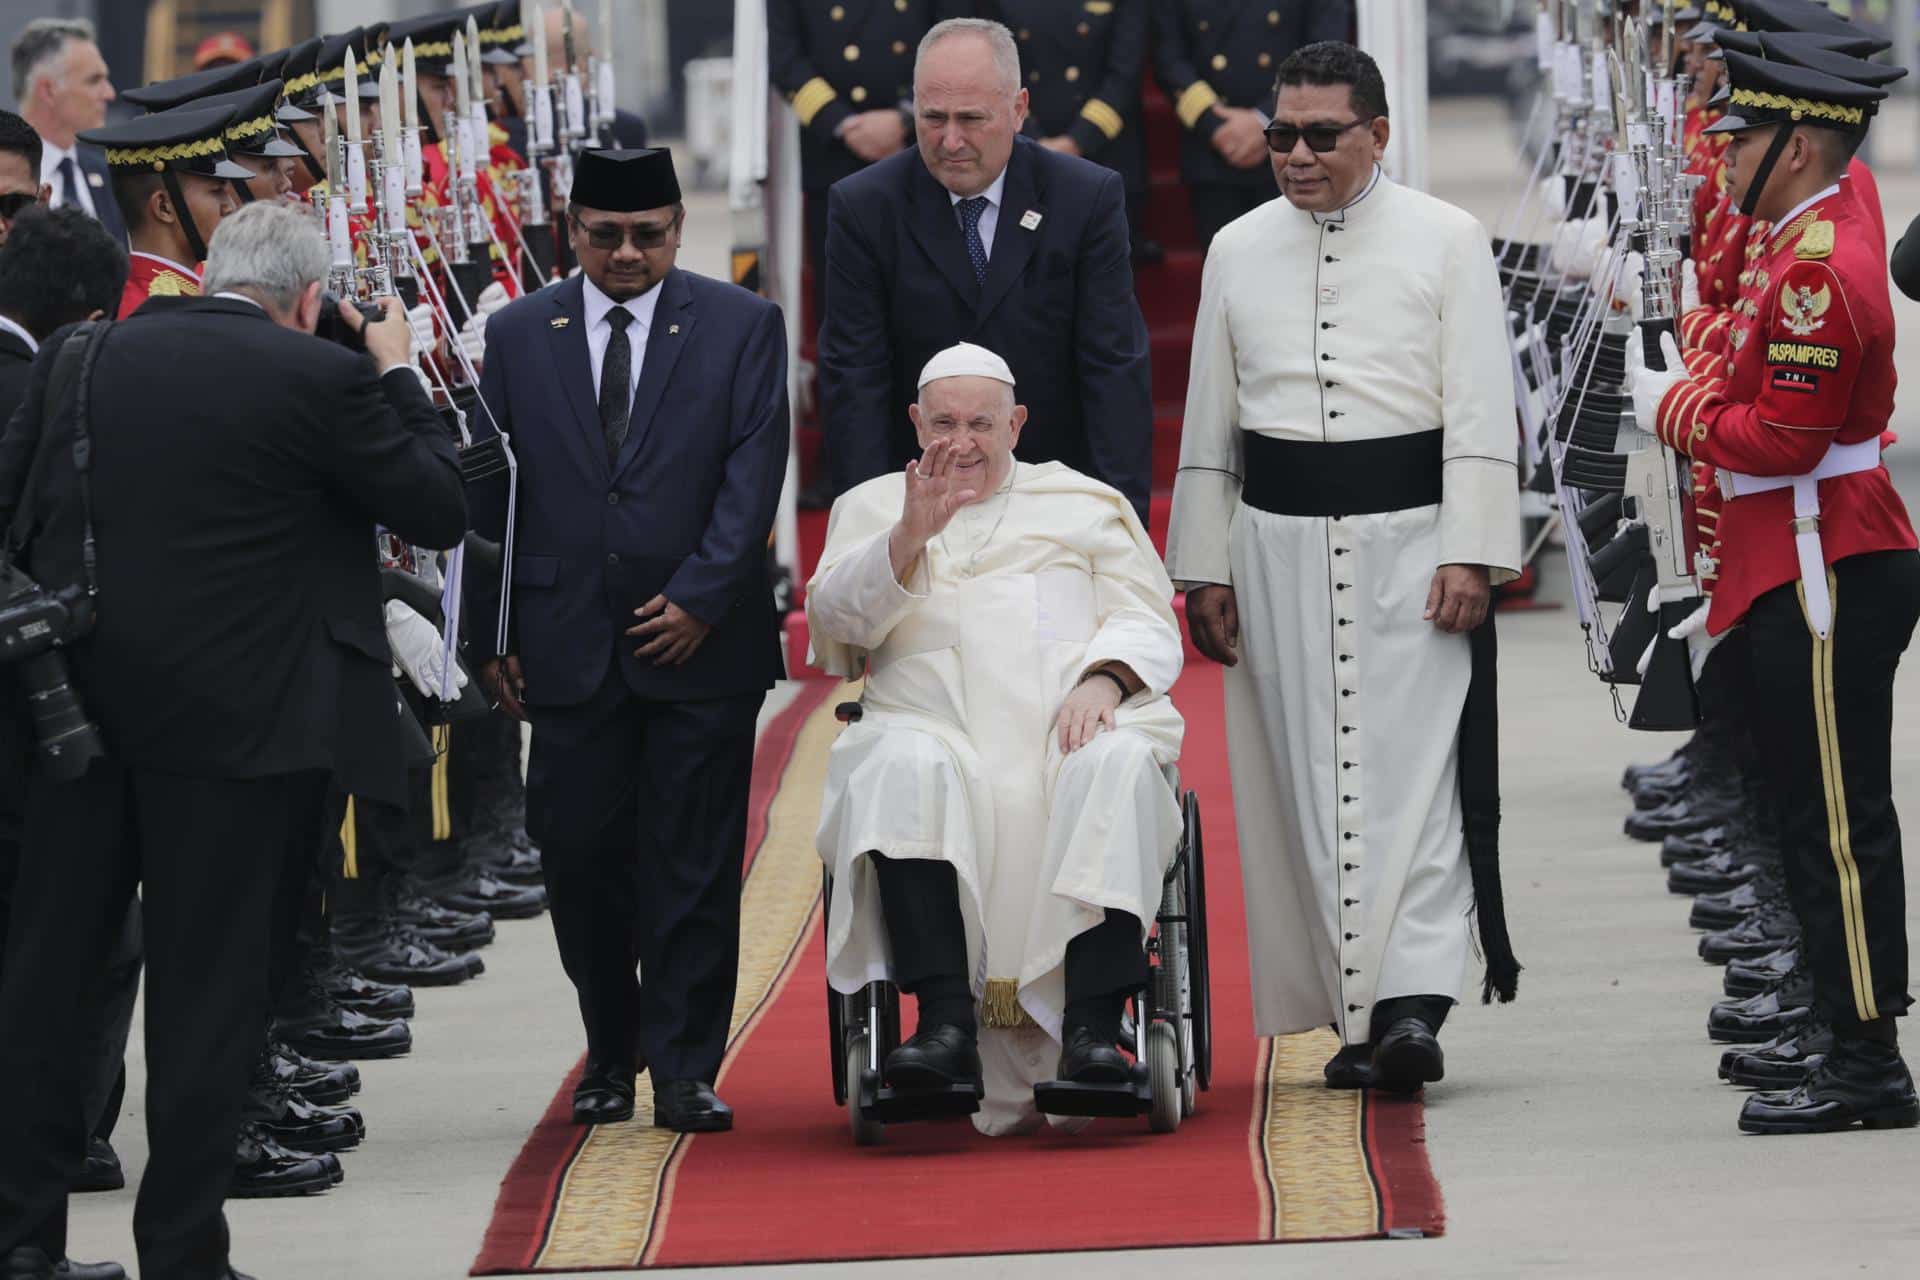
pixel 473 336
pixel 420 325
pixel 1693 629
pixel 1577 246
pixel 1648 386
pixel 1627 291
pixel 419 652
pixel 1689 286
pixel 1553 196
pixel 492 298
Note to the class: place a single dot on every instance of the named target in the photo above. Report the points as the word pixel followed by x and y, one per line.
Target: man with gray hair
pixel 981 235
pixel 62 84
pixel 237 664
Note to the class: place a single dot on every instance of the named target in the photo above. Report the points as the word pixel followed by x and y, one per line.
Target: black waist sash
pixel 1399 473
pixel 1348 478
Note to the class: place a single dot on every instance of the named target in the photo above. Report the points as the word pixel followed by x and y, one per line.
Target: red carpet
pixel 1271 1156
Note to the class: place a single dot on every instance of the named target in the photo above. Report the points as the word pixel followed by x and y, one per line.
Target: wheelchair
pixel 1167 1027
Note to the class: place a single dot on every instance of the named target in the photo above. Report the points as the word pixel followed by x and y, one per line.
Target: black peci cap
pixel 190 139
pixel 625 181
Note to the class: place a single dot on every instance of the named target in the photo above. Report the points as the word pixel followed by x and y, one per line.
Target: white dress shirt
pixel 990 219
pixel 50 158
pixel 8 326
pixel 599 331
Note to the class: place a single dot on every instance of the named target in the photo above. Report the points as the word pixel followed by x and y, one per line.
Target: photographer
pixel 237 663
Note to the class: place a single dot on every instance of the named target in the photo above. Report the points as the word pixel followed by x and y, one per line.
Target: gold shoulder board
pixel 171 284
pixel 1816 241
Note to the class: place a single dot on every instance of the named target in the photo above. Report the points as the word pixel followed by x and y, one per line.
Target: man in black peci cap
pixel 648 407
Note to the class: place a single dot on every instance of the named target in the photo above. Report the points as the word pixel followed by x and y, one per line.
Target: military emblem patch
pixel 1803 310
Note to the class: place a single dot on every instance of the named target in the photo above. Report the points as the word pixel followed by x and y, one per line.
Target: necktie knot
pixel 619 318
pixel 971 207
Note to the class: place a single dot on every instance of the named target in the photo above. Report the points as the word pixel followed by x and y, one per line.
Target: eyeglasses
pixel 1322 138
pixel 608 237
pixel 15 202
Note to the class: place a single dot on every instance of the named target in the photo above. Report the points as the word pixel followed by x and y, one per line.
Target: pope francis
pixel 997 823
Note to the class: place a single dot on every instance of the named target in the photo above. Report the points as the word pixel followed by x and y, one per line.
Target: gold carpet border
pixel 1319 1186
pixel 611 1207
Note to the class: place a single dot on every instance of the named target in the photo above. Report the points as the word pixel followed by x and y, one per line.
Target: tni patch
pixel 1796 380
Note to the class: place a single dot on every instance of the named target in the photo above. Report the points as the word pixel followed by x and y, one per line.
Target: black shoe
pixel 1861 1082
pixel 479 891
pixel 1407 1057
pixel 690 1106
pixel 1749 977
pixel 1087 1059
pixel 505 857
pixel 1695 845
pixel 354 990
pixel 1350 1068
pixel 935 1058
pixel 1725 910
pixel 327 1083
pixel 1767 1016
pixel 1765 930
pixel 316 1026
pixel 68 1269
pixel 1658 793
pixel 445 927
pixel 1674 766
pixel 1699 809
pixel 26 1263
pixel 292 1121
pixel 604 1094
pixel 387 951
pixel 1728 869
pixel 1781 1063
pixel 263 1169
pixel 102 1171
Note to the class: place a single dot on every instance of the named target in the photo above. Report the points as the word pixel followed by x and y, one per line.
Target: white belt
pixel 1840 460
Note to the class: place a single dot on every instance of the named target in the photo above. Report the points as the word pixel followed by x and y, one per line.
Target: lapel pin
pixel 95 180
pixel 559 322
pixel 1030 219
pixel 672 329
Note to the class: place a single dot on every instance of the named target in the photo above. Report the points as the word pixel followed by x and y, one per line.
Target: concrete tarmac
pixel 1579 1132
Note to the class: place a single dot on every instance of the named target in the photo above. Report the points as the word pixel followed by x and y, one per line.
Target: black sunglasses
pixel 14 202
pixel 1281 138
pixel 609 237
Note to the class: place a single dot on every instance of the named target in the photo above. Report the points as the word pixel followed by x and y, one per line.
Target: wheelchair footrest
pixel 898 1106
pixel 1068 1098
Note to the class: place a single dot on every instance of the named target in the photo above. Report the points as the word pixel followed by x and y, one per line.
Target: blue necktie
pixel 971 208
pixel 616 377
pixel 69 189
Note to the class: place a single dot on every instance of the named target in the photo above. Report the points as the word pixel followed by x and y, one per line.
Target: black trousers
pixel 640 810
pixel 1823 725
pixel 209 856
pixel 1215 204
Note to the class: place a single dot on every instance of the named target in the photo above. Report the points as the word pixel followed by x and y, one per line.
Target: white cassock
pixel 957 758
pixel 1343 715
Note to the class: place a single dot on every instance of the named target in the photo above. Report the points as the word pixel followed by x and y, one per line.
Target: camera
pixel 34 623
pixel 334 329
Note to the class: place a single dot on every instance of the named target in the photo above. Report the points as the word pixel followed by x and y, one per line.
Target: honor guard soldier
pixel 253 137
pixel 1080 64
pixel 1215 60
pixel 173 183
pixel 1819 561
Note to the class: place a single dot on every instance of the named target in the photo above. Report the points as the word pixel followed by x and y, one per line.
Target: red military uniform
pixel 1811 365
pixel 151 276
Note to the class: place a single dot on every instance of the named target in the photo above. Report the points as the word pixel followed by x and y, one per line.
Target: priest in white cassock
pixel 997 822
pixel 1346 499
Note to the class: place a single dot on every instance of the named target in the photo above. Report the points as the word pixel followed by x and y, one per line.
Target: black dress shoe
pixel 1698 809
pixel 386 950
pixel 354 990
pixel 1861 1082
pixel 470 890
pixel 1780 1063
pixel 1728 869
pixel 1087 1059
pixel 327 1083
pixel 935 1058
pixel 690 1106
pixel 1407 1057
pixel 505 857
pixel 26 1263
pixel 604 1094
pixel 263 1169
pixel 1350 1068
pixel 323 1029
pixel 1758 1019
pixel 445 927
pixel 1695 845
pixel 68 1269
pixel 1764 931
pixel 102 1171
pixel 1725 910
pixel 292 1121
pixel 1674 765
pixel 1749 977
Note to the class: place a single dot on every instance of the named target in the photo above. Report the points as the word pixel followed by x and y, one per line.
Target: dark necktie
pixel 971 208
pixel 69 188
pixel 616 383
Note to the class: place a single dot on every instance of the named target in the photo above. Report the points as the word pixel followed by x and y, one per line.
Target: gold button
pixel 1273 17
pixel 858 93
pixel 1073 73
pixel 899 46
pixel 836 13
pixel 1219 62
pixel 1025 34
pixel 1033 77
pixel 899 6
pixel 1266 59
pixel 851 53
pixel 1203 24
pixel 1083 28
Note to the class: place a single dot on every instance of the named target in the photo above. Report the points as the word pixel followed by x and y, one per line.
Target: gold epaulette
pixel 171 284
pixel 1194 102
pixel 810 97
pixel 1816 241
pixel 1103 117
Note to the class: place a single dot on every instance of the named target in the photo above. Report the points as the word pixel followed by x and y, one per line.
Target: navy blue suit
pixel 93 166
pixel 637 786
pixel 1057 304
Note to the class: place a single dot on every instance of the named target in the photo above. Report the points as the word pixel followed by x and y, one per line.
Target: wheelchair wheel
pixel 1163 1075
pixel 866 1133
pixel 1198 966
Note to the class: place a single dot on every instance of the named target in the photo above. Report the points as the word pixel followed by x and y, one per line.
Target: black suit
pixel 1057 304
pixel 93 165
pixel 16 362
pixel 239 659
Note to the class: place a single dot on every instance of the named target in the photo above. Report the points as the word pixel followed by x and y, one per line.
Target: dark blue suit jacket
pixel 93 165
pixel 687 510
pixel 1058 305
